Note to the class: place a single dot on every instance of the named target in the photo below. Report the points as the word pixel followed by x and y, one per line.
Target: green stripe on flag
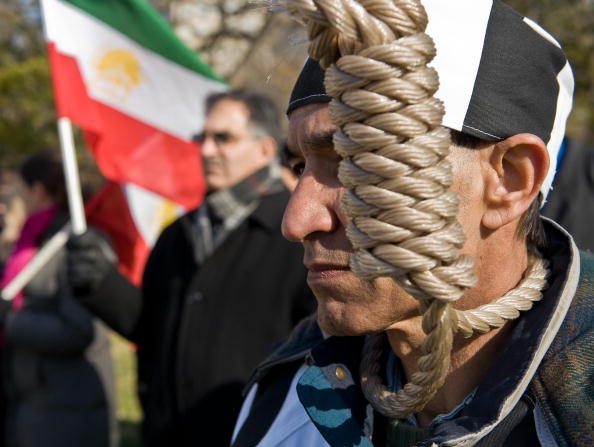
pixel 139 21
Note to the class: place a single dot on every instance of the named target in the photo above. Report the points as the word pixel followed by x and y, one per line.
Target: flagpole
pixel 73 190
pixel 43 256
pixel 77 225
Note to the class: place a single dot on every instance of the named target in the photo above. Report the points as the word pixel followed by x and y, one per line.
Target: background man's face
pixel 229 150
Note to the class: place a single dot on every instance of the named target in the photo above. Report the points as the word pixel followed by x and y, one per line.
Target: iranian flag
pixel 137 92
pixel 133 217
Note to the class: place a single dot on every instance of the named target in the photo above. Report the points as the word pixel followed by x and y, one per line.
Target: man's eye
pixel 297 167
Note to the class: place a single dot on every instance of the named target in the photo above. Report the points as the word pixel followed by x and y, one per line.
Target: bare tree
pixel 244 42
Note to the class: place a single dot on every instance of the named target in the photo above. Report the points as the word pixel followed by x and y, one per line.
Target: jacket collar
pixel 305 336
pixel 511 374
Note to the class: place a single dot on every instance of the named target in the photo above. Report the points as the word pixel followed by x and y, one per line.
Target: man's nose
pixel 311 209
pixel 208 148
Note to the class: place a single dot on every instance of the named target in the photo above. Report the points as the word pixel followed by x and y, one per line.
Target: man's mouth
pixel 320 271
pixel 210 163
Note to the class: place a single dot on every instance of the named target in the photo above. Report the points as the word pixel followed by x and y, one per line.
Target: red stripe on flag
pixel 109 210
pixel 128 150
pixel 70 92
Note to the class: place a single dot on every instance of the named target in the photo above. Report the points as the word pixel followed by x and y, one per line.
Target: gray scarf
pixel 224 210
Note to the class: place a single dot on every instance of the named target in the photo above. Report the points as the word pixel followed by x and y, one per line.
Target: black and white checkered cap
pixel 500 74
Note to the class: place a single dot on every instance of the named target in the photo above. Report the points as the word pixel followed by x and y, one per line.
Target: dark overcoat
pixel 202 328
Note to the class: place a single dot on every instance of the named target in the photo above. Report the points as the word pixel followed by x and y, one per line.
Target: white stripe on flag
pixel 150 212
pixel 126 76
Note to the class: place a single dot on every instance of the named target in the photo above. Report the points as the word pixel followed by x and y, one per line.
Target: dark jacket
pixel 538 391
pixel 59 378
pixel 201 329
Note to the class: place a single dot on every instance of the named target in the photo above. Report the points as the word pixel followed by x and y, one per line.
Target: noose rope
pixel 402 216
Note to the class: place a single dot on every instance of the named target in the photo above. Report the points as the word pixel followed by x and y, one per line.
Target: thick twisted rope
pixel 481 320
pixel 521 298
pixel 402 214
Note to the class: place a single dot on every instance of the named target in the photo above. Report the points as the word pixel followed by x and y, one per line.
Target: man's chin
pixel 215 182
pixel 340 325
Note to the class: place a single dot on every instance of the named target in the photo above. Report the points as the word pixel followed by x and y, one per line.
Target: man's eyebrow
pixel 312 142
pixel 319 140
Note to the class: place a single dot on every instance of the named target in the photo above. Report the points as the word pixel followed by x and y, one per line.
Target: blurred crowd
pixel 12 212
pixel 221 288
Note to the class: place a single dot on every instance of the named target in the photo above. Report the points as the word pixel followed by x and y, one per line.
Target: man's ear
pixel 268 148
pixel 519 166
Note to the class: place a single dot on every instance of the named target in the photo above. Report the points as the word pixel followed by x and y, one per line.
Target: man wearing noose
pixel 450 313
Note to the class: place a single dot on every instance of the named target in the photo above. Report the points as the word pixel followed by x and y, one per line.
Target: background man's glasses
pixel 217 137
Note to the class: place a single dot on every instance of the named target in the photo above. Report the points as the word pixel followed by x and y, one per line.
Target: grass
pixel 128 408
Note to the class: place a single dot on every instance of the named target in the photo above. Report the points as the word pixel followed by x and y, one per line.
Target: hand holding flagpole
pixel 78 221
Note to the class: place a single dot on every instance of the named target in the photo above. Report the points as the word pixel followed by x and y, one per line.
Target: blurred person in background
pixel 11 220
pixel 3 211
pixel 221 286
pixel 288 176
pixel 12 214
pixel 58 372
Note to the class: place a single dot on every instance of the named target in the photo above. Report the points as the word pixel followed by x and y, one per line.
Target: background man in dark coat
pixel 221 286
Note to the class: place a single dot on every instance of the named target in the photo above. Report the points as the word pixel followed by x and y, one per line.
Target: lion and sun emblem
pixel 117 74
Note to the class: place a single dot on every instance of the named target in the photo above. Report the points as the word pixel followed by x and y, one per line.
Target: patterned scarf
pixel 224 210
